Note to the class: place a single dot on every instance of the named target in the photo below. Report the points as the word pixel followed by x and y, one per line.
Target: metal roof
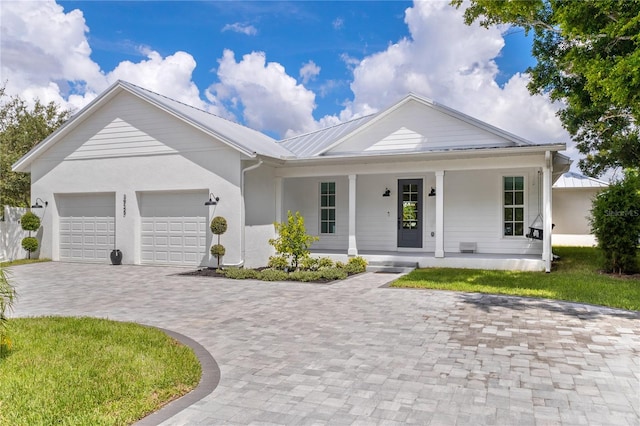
pixel 576 180
pixel 314 143
pixel 240 136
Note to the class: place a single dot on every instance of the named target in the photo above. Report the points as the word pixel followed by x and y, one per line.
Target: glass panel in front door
pixel 410 206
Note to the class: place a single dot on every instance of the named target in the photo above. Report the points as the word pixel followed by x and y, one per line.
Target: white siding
pixel 303 195
pixel 417 127
pixel 572 210
pixel 473 211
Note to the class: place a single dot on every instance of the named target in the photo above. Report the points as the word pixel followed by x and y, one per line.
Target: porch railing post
pixel 353 247
pixel 439 213
pixel 547 218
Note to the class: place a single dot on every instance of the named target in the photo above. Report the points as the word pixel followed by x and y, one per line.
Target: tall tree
pixel 588 56
pixel 21 128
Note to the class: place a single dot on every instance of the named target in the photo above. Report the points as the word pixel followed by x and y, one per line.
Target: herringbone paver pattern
pixel 355 353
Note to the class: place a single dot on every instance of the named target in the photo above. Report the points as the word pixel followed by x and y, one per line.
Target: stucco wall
pixel 179 158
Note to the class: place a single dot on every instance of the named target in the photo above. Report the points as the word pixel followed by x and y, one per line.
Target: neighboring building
pixel 418 180
pixel 572 197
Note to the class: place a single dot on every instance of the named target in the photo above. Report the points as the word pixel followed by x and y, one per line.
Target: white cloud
pixel 240 28
pixel 170 76
pixel 453 64
pixel 309 71
pixel 338 23
pixel 46 55
pixel 272 99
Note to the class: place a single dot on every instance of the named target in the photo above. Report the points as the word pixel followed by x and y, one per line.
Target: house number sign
pixel 124 205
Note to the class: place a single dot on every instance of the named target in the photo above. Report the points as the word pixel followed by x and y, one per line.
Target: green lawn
pixel 84 371
pixel 575 278
pixel 22 262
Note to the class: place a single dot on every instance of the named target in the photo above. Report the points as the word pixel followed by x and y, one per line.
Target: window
pixel 328 208
pixel 513 205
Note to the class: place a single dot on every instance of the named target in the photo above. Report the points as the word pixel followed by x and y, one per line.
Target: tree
pixel 218 227
pixel 293 240
pixel 615 221
pixel 588 56
pixel 21 128
pixel 30 222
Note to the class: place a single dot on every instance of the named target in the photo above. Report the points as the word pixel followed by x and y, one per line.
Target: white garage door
pixel 87 227
pixel 174 228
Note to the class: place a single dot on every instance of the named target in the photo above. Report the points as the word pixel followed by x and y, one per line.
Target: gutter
pixel 242 216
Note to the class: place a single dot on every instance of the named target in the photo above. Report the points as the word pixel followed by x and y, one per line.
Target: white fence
pixel 11 234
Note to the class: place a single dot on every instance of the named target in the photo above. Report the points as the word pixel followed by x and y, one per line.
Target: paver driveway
pixel 354 353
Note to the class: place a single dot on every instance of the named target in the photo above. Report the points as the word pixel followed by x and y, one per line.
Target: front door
pixel 410 213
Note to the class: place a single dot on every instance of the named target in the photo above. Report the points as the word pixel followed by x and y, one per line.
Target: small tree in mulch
pixel 30 222
pixel 218 227
pixel 293 241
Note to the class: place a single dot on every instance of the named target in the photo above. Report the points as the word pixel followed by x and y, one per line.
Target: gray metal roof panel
pixel 243 138
pixel 311 144
pixel 576 180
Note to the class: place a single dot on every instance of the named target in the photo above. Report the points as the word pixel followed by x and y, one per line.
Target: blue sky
pixel 280 67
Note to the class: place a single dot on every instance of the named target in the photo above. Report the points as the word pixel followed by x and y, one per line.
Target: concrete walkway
pixel 355 353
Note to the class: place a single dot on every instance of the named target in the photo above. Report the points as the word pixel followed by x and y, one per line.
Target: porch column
pixel 353 248
pixel 278 197
pixel 439 213
pixel 547 216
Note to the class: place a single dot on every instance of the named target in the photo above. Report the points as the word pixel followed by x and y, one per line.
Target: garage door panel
pixel 174 228
pixel 87 227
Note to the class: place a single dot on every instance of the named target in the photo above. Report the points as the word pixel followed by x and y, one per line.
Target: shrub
pixel 356 265
pixel 273 275
pixel 218 225
pixel 240 273
pixel 340 265
pixel 615 222
pixel 278 262
pixel 309 264
pixel 30 244
pixel 30 222
pixel 333 274
pixel 325 262
pixel 218 250
pixel 292 240
pixel 7 296
pixel 305 276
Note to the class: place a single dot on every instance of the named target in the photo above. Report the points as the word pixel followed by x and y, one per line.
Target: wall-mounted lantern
pixel 213 200
pixel 386 193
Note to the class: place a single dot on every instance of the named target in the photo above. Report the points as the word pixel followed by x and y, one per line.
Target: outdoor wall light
pixel 432 193
pixel 213 200
pixel 39 206
pixel 387 193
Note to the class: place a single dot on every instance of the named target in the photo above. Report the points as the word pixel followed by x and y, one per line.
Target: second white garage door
pixel 174 228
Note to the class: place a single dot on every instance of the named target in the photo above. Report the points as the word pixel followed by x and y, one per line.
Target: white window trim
pixel 321 207
pixel 525 201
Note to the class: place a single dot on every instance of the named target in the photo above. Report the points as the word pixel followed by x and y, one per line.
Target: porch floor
pixel 424 259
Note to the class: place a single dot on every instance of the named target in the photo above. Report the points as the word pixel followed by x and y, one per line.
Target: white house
pixel 418 181
pixel 573 194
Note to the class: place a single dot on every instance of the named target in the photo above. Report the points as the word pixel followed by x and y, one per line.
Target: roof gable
pixel 418 125
pixel 243 139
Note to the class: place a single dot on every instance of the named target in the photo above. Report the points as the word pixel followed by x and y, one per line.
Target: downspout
pixel 242 216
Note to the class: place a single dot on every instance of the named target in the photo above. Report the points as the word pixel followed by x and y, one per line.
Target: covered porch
pixel 459 204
